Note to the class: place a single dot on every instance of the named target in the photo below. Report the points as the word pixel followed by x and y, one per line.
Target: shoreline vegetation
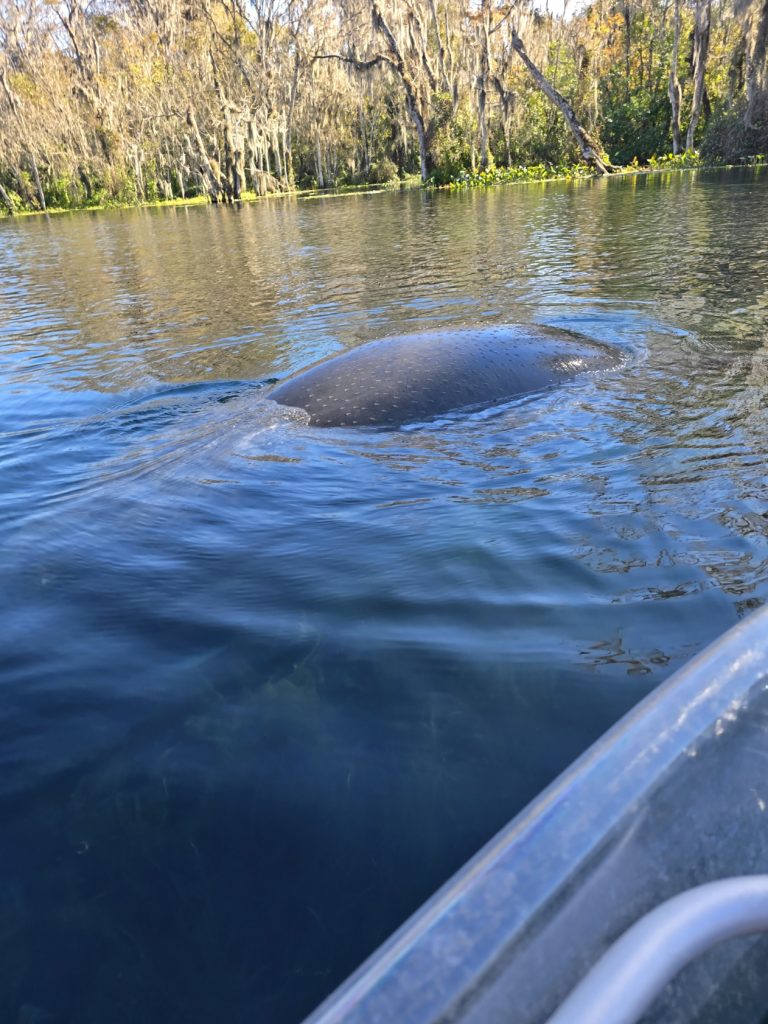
pixel 124 103
pixel 488 178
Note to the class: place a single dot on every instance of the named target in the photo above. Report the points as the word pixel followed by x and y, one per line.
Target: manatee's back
pixel 414 377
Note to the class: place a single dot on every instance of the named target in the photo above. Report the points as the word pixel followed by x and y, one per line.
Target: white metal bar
pixel 632 973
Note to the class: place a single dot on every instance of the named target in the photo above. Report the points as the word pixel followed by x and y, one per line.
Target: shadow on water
pixel 265 687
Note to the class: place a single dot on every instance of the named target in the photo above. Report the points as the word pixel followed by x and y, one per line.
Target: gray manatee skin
pixel 414 377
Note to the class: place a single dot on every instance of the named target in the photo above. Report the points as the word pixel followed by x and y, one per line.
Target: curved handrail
pixel 633 972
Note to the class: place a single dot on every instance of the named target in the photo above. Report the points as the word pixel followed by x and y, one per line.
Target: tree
pixel 588 148
pixel 701 29
pixel 675 93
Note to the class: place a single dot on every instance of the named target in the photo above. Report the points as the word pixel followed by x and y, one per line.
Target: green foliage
pixel 61 193
pixel 151 191
pixel 504 175
pixel 306 182
pixel 729 140
pixel 636 126
pixel 541 137
pixel 383 171
pixel 672 162
pixel 543 171
pixel 451 139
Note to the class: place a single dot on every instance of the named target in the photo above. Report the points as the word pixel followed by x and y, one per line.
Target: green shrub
pixel 450 139
pixel 503 175
pixel 382 171
pixel 729 140
pixel 62 193
pixel 671 161
pixel 636 127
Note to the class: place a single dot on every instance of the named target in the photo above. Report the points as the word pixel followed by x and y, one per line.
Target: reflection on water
pixel 265 687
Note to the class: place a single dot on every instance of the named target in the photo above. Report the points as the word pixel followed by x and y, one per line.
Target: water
pixel 265 687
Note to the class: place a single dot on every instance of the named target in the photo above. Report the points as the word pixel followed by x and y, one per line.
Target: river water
pixel 265 687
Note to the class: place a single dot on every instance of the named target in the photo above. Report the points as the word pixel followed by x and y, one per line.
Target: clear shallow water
pixel 265 687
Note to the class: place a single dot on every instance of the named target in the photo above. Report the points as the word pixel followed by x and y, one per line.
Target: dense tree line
pixel 135 100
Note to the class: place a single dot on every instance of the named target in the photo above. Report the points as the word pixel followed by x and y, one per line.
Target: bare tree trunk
pixel 755 71
pixel 364 150
pixel 229 156
pixel 421 134
pixel 287 173
pixel 411 97
pixel 276 151
pixel 289 119
pixel 239 164
pixel 507 110
pixel 141 194
pixel 675 92
pixel 21 185
pixel 482 97
pixel 253 152
pixel 232 160
pixel 589 150
pixel 700 51
pixel 207 164
pixel 482 81
pixel 83 175
pixel 36 176
pixel 451 77
pixel 627 15
pixel 7 200
pixel 16 108
pixel 319 161
pixel 415 105
pixel 446 85
pixel 227 180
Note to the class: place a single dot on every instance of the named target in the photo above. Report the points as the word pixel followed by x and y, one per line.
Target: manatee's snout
pixel 413 377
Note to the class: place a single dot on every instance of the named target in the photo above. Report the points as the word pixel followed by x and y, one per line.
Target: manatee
pixel 414 377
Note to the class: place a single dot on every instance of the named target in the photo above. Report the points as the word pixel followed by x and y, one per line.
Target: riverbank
pixel 545 172
pixel 412 181
pixel 487 178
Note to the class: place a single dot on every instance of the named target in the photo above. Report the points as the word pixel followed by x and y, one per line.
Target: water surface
pixel 265 687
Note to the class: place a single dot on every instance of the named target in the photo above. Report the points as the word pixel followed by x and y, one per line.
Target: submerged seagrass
pixel 414 377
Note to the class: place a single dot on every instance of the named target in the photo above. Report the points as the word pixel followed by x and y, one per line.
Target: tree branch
pixel 359 65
